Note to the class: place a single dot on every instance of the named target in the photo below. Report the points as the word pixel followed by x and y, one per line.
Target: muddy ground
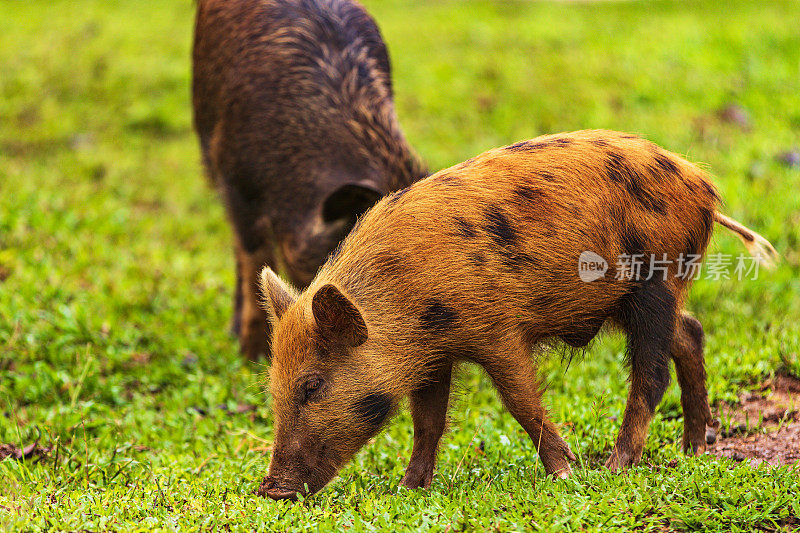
pixel 763 426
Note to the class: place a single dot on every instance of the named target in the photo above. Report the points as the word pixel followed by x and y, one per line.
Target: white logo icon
pixel 591 267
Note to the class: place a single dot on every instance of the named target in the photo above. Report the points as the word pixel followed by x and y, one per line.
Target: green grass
pixel 117 268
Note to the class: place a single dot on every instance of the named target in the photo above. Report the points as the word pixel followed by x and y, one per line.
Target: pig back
pixel 497 241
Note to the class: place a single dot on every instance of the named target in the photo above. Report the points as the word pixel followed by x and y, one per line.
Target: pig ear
pixel 337 317
pixel 349 201
pixel 278 296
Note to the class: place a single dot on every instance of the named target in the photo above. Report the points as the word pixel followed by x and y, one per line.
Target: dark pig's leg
pixel 687 352
pixel 255 332
pixel 515 378
pixel 236 321
pixel 429 412
pixel 254 251
pixel 648 316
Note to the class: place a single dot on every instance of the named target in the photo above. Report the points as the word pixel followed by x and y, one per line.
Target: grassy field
pixel 116 269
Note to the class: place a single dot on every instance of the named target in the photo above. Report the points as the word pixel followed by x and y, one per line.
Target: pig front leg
pixel 236 321
pixel 429 412
pixel 254 326
pixel 699 427
pixel 516 381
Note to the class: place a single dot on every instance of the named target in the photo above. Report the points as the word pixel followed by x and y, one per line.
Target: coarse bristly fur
pixel 480 262
pixel 293 107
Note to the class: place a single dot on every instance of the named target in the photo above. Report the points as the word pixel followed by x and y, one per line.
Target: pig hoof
pixel 694 443
pixel 564 473
pixel 619 461
pixel 695 448
pixel 413 480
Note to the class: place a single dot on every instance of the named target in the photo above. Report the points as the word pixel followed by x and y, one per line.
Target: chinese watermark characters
pixel 716 267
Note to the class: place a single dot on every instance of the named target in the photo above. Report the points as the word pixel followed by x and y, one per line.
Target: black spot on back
pixel 447 179
pixel 499 228
pixel 666 164
pixel 709 189
pixel 546 176
pixel 651 201
pixel 396 196
pixel 600 143
pixel 619 171
pixel 466 163
pixel 526 146
pixel 518 146
pixel 518 261
pixel 633 242
pixel 477 258
pixel 562 141
pixel 437 316
pixel 528 193
pixel 373 408
pixel 504 235
pixel 465 228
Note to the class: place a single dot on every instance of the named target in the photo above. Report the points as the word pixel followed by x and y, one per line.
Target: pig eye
pixel 311 387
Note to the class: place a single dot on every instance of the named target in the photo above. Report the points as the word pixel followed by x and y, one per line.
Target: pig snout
pixel 298 466
pixel 278 489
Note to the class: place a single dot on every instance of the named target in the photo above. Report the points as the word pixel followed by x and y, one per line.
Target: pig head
pixel 328 401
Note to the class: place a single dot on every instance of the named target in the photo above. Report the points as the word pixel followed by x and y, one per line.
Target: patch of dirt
pixel 764 426
pixel 11 451
pixel 780 447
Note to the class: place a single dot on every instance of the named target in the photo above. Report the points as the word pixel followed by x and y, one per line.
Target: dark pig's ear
pixel 350 201
pixel 278 296
pixel 337 317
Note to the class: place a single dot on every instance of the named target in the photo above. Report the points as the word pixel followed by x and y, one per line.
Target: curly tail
pixel 758 246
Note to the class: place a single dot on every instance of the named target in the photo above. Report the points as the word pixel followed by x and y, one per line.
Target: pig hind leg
pixel 429 413
pixel 647 315
pixel 687 352
pixel 515 378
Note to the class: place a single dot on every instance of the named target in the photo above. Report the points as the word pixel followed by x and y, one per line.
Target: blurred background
pixel 116 270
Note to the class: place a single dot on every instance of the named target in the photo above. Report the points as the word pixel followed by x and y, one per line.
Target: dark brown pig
pixel 483 262
pixel 293 107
